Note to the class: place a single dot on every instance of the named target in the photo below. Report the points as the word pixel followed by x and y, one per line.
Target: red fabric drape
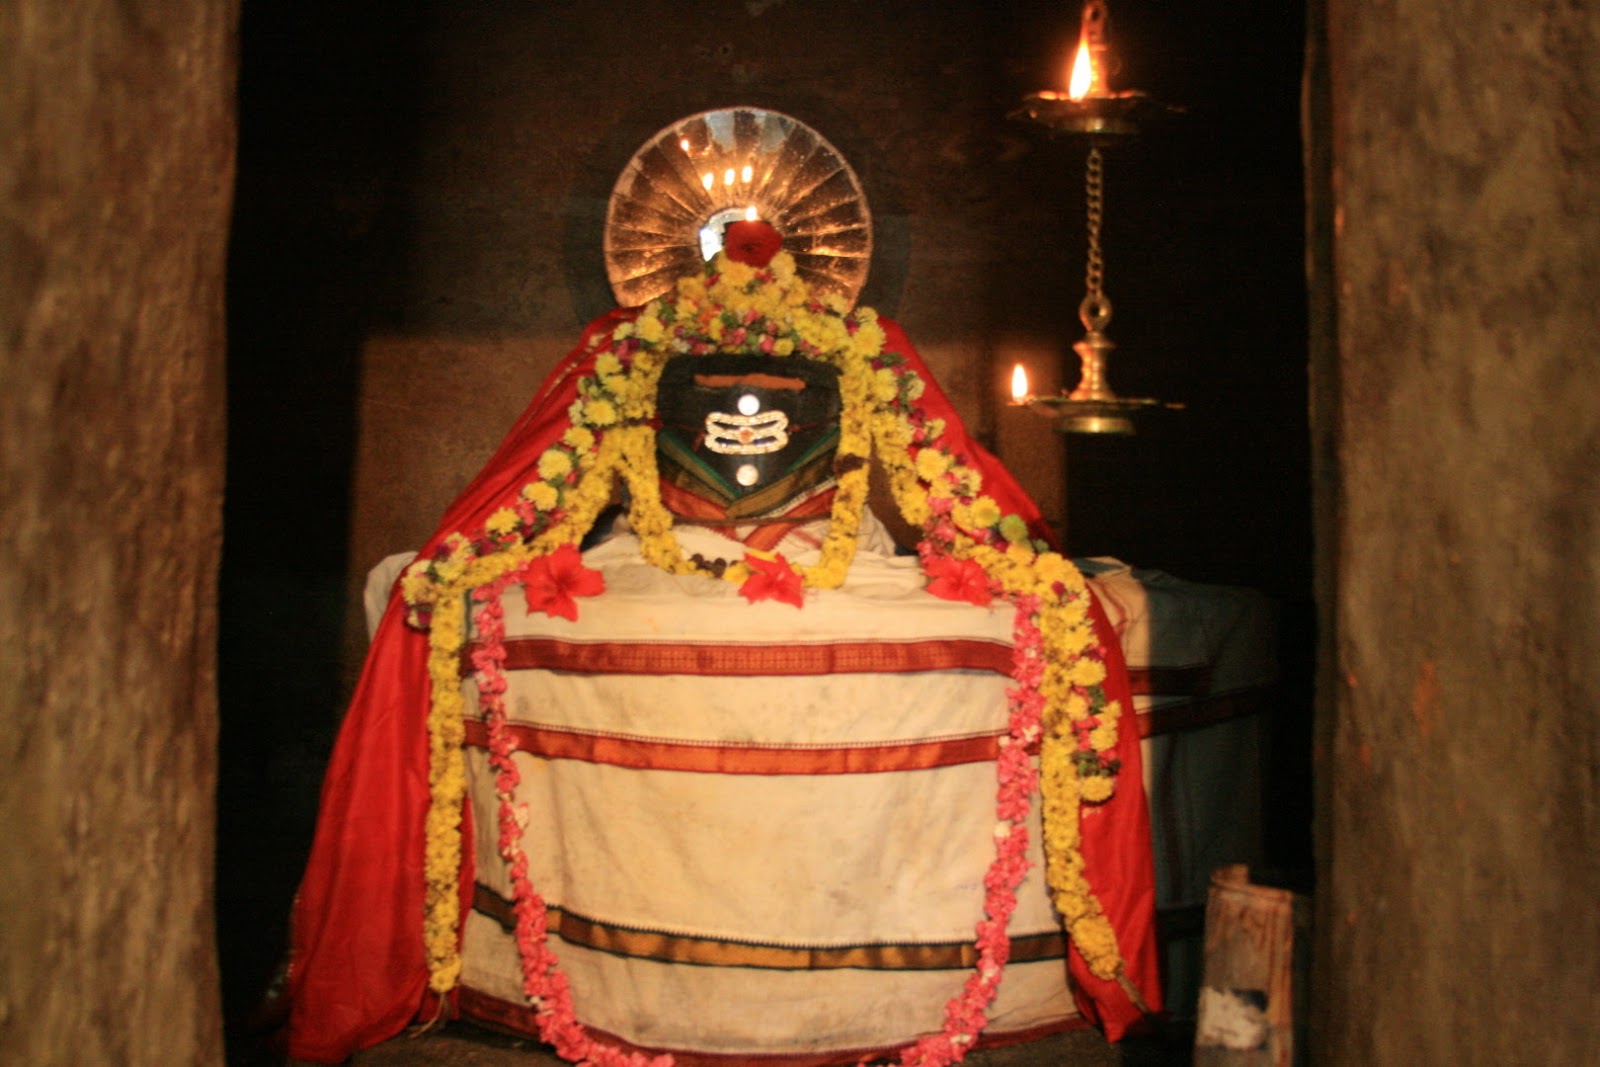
pixel 357 972
pixel 1120 865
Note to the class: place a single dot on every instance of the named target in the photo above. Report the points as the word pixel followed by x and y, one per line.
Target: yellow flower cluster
pixel 1071 687
pixel 733 307
pixel 447 786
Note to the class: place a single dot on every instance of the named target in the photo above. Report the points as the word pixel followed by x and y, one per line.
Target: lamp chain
pixel 1095 311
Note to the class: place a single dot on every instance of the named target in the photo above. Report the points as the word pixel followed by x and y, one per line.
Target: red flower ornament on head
pixel 751 241
pixel 772 579
pixel 552 583
pixel 958 579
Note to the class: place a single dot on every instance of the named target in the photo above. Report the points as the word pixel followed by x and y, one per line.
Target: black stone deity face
pixel 747 434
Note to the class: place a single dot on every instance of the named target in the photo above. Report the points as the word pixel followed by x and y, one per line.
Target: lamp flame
pixel 1082 71
pixel 1019 384
pixel 1092 62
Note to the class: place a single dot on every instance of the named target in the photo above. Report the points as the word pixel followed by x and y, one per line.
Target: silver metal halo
pixel 687 183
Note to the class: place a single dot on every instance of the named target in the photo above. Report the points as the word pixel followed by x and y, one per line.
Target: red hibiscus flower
pixel 958 579
pixel 552 582
pixel 772 579
pixel 751 241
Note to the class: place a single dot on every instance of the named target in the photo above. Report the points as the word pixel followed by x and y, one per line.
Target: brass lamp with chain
pixel 1091 109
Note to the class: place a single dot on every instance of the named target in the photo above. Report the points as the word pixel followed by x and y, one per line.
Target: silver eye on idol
pixel 749 404
pixel 747 474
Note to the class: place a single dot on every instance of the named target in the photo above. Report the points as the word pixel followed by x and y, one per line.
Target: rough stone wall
pixel 1460 829
pixel 116 166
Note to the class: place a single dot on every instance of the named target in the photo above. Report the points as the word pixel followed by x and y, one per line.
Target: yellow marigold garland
pixel 447 784
pixel 738 308
pixel 1075 704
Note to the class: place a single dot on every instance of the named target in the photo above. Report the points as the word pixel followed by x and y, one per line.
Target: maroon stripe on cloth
pixel 732 660
pixel 656 754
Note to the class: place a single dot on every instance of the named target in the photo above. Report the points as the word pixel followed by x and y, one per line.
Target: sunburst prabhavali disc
pixel 687 183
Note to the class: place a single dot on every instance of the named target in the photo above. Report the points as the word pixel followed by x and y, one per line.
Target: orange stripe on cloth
pixel 721 952
pixel 731 660
pixel 656 754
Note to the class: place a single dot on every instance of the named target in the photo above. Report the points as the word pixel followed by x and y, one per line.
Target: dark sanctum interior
pixel 418 231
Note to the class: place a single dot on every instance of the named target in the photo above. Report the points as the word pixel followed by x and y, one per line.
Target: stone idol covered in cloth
pixel 740 778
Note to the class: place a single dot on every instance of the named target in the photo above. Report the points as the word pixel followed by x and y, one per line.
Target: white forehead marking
pixel 728 434
pixel 747 474
pixel 749 404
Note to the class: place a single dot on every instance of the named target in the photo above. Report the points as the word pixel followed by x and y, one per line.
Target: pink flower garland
pixel 965 1014
pixel 542 981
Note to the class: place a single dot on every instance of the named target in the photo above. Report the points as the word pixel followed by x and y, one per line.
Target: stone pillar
pixel 1460 419
pixel 116 170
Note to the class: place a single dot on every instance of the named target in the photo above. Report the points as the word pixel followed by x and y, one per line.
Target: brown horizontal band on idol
pixel 722 952
pixel 755 380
